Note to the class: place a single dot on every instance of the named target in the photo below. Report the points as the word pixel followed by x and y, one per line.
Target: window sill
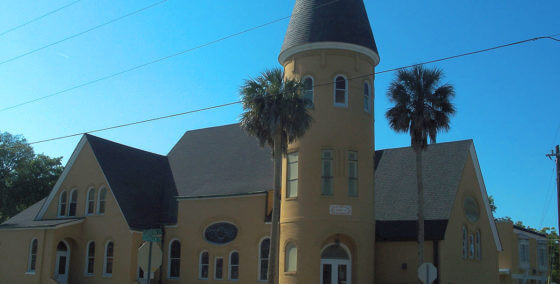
pixel 107 275
pixel 89 274
pixel 291 198
pixel 290 273
pixel 340 105
pixel 173 278
pixel 29 273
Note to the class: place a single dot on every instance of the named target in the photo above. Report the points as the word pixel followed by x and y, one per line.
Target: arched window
pixel 465 243
pixel 101 201
pixel 219 268
pixel 290 264
pixel 32 261
pixel 203 263
pixel 471 246
pixel 73 203
pixel 90 257
pixel 234 265
pixel 108 260
pixel 62 200
pixel 477 244
pixel 308 90
pixel 340 91
pixel 367 97
pixel 174 262
pixel 90 201
pixel 264 249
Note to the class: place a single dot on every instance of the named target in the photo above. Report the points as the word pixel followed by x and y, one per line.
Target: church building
pixel 348 211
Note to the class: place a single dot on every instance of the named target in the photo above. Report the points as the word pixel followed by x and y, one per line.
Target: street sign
pixel 152 235
pixel 427 273
pixel 144 256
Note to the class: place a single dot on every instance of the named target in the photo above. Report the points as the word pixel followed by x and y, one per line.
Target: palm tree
pixel 423 108
pixel 275 113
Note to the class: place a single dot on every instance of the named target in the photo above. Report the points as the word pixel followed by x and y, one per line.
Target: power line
pixel 82 32
pixel 156 60
pixel 38 18
pixel 547 201
pixel 317 85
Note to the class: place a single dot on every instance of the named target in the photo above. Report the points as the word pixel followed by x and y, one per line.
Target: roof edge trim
pixel 285 54
pixel 484 193
pixel 62 177
pixel 47 227
pixel 220 195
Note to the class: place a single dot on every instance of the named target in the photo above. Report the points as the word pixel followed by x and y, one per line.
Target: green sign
pixel 152 235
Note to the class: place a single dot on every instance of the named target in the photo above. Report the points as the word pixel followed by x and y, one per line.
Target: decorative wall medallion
pixel 340 210
pixel 220 233
pixel 472 212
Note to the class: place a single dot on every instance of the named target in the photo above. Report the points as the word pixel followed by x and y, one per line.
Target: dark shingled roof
pixel 141 182
pixel 329 21
pixel 220 160
pixel 26 219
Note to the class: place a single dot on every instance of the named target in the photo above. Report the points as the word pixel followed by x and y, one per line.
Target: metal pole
pixel 149 264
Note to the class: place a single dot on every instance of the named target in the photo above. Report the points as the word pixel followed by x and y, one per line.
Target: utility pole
pixel 557 156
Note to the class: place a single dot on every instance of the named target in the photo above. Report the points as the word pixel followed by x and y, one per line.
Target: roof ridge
pixel 88 136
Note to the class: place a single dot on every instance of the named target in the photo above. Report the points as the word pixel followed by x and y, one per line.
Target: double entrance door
pixel 335 271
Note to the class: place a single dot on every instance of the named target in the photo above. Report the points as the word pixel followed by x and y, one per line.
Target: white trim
pixel 260 259
pixel 68 254
pixel 220 196
pixel 73 191
pixel 29 271
pixel 528 277
pixel 169 259
pixel 284 55
pixel 86 273
pixel 58 209
pixel 312 88
pixel 290 243
pixel 62 177
pixel 485 198
pixel 229 265
pixel 71 221
pixel 105 274
pixel 345 104
pixel 216 267
pixel 99 201
pixel 200 265
pixel 347 262
pixel 86 213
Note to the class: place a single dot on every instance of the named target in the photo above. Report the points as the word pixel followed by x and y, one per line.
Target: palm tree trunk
pixel 420 185
pixel 274 234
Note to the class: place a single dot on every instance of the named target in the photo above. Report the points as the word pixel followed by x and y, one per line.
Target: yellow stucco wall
pixel 390 257
pixel 305 220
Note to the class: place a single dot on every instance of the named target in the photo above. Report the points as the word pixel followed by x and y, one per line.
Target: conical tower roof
pixel 329 21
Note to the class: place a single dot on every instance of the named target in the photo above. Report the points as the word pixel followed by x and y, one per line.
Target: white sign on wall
pixel 340 210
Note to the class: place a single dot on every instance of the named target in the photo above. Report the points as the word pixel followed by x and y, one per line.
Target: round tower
pixel 327 222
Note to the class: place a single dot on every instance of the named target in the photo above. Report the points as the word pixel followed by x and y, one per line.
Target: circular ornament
pixel 472 212
pixel 220 233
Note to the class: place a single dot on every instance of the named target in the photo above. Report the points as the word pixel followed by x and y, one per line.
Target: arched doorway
pixel 62 262
pixel 336 265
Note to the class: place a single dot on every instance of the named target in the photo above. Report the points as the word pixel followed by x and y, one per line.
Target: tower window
pixel 292 175
pixel 308 90
pixel 352 173
pixel 290 264
pixel 340 91
pixel 367 98
pixel 326 172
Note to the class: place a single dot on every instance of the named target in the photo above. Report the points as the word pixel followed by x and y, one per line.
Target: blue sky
pixel 507 99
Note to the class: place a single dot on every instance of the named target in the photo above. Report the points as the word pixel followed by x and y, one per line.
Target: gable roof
pixel 221 160
pixel 395 181
pixel 343 21
pixel 26 219
pixel 141 182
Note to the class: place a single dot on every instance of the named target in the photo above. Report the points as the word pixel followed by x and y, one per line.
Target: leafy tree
pixel 422 107
pixel 492 204
pixel 25 177
pixel 275 113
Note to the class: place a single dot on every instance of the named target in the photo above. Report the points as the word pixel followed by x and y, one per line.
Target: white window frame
pixel 292 192
pixel 542 254
pixel 216 267
pixel 70 202
pixel 287 263
pixel 105 258
pixel 312 89
pixel 230 265
pixel 524 263
pixel 169 259
pixel 30 257
pixel 261 259
pixel 59 213
pixel 345 104
pixel 325 177
pixel 465 243
pixel 355 178
pixel 367 106
pixel 88 201
pixel 200 265
pixel 86 273
pixel 99 201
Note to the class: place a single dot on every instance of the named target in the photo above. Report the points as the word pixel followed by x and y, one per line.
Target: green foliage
pixel 25 177
pixel 273 104
pixel 422 106
pixel 552 237
pixel 492 204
